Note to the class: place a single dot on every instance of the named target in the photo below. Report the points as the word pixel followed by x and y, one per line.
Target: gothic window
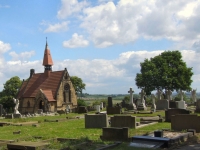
pixel 66 87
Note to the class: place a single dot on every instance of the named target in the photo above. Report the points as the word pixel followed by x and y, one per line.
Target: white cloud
pixel 70 7
pixel 4 47
pixel 76 41
pixel 4 6
pixel 101 75
pixel 21 56
pixel 58 27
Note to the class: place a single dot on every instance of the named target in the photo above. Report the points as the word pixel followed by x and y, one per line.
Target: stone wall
pixel 185 121
pixel 123 121
pixel 96 121
pixel 115 134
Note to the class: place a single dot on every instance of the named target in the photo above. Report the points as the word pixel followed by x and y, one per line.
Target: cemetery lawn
pixel 67 128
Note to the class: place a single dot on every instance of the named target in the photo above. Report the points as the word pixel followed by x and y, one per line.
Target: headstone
pixel 1 110
pixel 110 103
pixel 181 93
pixel 153 107
pixel 101 106
pixel 96 121
pixel 115 134
pixel 193 94
pixel 181 104
pixel 131 106
pixel 97 108
pixel 162 104
pixel 123 121
pixel 197 106
pixel 168 94
pixel 82 109
pixel 182 122
pixel 159 94
pixel 142 105
pixel 176 111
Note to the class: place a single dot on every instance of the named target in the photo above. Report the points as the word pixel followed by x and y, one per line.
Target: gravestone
pixel 172 104
pixel 82 109
pixel 123 103
pixel 181 103
pixel 193 95
pixel 162 104
pixel 153 107
pixel 131 106
pixel 110 103
pixel 1 110
pixel 182 122
pixel 96 121
pixel 101 106
pixel 97 108
pixel 123 121
pixel 197 106
pixel 170 112
pixel 115 134
pixel 142 105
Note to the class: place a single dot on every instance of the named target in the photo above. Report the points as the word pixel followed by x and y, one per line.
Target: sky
pixel 101 41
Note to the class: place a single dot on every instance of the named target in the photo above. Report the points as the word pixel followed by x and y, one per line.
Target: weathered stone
pixel 96 121
pixel 185 121
pixel 115 134
pixel 123 121
pixel 110 103
pixel 175 111
pixel 162 104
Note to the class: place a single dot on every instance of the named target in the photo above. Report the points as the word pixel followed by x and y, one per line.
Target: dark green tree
pixel 9 92
pixel 78 84
pixel 165 71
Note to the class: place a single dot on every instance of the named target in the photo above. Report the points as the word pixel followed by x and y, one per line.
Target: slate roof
pixel 41 81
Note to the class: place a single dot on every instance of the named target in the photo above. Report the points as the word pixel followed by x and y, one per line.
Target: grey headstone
pixel 110 103
pixel 1 110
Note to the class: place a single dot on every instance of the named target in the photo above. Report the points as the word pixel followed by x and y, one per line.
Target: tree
pixel 10 90
pixel 78 84
pixel 165 71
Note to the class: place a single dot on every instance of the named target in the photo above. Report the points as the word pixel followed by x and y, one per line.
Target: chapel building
pixel 50 91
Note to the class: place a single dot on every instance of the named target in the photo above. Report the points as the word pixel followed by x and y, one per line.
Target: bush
pixel 81 102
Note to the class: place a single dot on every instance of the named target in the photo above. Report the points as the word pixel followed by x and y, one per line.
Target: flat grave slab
pixel 27 145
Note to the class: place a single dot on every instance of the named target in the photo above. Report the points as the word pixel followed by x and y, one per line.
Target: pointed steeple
pixel 47 60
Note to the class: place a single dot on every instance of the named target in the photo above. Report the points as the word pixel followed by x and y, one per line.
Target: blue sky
pixel 102 41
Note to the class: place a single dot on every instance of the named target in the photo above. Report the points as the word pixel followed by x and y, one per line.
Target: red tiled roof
pixel 47 60
pixel 49 95
pixel 22 88
pixel 44 82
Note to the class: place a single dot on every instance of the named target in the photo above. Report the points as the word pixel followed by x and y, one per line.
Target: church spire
pixel 47 60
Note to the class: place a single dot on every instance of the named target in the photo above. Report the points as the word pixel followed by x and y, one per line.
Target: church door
pixel 41 105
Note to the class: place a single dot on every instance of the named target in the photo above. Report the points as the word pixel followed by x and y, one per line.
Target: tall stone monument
pixel 161 104
pixel 193 95
pixel 142 105
pixel 153 106
pixel 181 103
pixel 131 106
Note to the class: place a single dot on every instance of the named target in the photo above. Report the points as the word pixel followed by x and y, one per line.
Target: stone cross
pixel 131 95
pixel 181 93
pixel 193 93
pixel 142 95
pixel 168 94
pixel 153 98
pixel 159 93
